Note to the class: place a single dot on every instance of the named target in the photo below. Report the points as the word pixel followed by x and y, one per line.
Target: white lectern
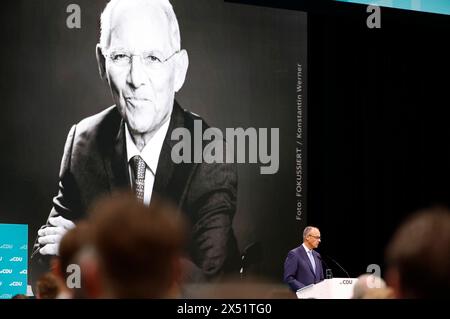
pixel 336 288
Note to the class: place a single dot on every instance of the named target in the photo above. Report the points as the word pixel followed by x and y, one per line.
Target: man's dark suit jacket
pixel 298 271
pixel 95 163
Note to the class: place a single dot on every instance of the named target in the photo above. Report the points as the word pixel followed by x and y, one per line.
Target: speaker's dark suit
pixel 95 163
pixel 298 270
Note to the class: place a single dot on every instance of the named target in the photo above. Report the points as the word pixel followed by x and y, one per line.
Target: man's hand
pixel 50 236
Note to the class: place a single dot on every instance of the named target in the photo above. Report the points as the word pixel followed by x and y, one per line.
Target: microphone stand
pixel 334 261
pixel 342 268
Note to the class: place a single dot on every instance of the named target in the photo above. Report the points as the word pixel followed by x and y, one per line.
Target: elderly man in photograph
pixel 303 265
pixel 128 145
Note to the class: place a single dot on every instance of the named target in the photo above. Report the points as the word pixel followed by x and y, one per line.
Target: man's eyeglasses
pixel 316 237
pixel 123 58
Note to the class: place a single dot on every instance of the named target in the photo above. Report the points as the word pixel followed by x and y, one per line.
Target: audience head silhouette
pixel 134 251
pixel 418 256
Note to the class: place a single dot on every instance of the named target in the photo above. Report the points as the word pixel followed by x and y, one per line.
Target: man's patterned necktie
pixel 138 165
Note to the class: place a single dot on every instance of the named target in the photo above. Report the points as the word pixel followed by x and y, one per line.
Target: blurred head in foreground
pixel 134 251
pixel 418 256
pixel 371 287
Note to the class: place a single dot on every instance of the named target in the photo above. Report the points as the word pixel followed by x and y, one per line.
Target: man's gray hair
pixel 307 230
pixel 174 29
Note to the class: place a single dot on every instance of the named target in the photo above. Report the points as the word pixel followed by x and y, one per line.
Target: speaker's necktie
pixel 311 259
pixel 139 166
